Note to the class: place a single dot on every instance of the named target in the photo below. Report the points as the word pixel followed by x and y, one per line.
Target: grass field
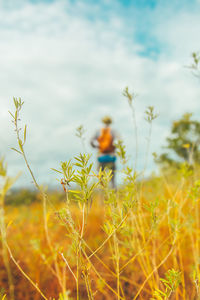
pixel 146 250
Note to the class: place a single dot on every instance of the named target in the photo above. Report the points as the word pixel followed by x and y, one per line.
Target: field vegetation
pixel 143 250
pixel 140 241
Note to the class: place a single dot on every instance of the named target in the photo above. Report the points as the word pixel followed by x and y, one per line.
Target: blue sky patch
pixel 139 3
pixel 42 1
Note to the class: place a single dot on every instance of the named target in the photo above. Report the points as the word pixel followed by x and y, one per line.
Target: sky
pixel 70 61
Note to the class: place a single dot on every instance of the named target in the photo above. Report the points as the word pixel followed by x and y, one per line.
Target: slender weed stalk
pixel 80 133
pixel 83 197
pixel 25 275
pixel 150 115
pixel 131 97
pixel 21 142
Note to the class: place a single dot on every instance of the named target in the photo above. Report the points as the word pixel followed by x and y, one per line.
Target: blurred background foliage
pixel 26 196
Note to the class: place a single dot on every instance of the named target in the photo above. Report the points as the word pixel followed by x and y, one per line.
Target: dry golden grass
pixel 159 233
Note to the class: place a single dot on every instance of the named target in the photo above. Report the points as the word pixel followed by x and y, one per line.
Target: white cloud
pixel 71 70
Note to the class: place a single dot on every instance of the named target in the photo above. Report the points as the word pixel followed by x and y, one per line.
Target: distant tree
pixel 183 144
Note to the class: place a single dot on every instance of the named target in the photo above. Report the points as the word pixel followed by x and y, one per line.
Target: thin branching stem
pixel 154 270
pixel 65 260
pixel 25 275
pixel 44 195
pixel 136 135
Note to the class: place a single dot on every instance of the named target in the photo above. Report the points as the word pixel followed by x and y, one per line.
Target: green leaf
pixel 158 291
pixel 75 192
pixel 78 165
pixel 56 170
pixel 15 102
pixel 78 197
pixel 11 114
pixel 16 115
pixel 16 150
pixel 20 145
pixel 25 133
pixel 78 159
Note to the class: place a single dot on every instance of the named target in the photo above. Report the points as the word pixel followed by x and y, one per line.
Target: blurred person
pixel 104 140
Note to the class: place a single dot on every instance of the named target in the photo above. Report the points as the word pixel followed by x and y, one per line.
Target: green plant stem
pixel 68 266
pixel 110 235
pixel 136 136
pixel 147 148
pixel 77 274
pixel 197 227
pixel 64 281
pixel 83 224
pixel 79 247
pixel 23 153
pixel 141 185
pixel 88 287
pixel 44 199
pixel 179 249
pixel 182 270
pixel 116 248
pixel 100 277
pixel 115 209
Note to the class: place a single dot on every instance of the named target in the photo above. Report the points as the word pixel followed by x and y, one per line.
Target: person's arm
pixel 94 140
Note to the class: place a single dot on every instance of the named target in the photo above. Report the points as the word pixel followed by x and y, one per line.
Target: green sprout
pixel 171 282
pixel 150 115
pixel 80 133
pixel 121 151
pixel 129 96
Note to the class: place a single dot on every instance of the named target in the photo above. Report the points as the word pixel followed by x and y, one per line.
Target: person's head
pixel 106 120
